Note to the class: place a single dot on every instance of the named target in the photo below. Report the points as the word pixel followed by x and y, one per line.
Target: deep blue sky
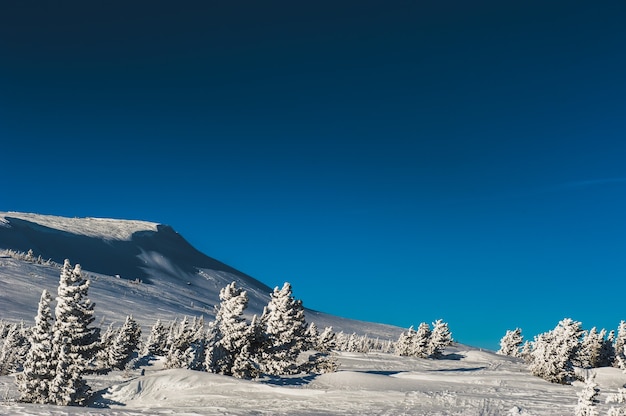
pixel 396 161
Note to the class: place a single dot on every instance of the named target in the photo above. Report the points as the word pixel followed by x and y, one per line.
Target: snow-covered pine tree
pixel 68 386
pixel 590 348
pixel 285 327
pixel 440 338
pixel 588 398
pixel 229 333
pixel 607 352
pixel 554 352
pixel 181 354
pixel 74 313
pixel 14 348
pixel 257 337
pixel 172 330
pixel 74 342
pixel 620 343
pixel 405 345
pixel 511 342
pixel 246 364
pixel 124 344
pixel 157 340
pixel 526 353
pixel 312 336
pixel 321 361
pixel 352 344
pixel 327 340
pixel 422 340
pixel 33 382
pixel 101 362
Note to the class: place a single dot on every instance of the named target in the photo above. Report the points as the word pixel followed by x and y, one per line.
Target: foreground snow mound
pixel 212 393
pixel 466 382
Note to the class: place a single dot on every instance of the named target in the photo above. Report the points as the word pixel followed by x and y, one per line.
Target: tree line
pixel 52 357
pixel 553 355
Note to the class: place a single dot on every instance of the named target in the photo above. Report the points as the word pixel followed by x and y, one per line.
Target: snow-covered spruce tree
pixel 74 342
pixel 157 340
pixel 321 361
pixel 74 313
pixel 228 332
pixel 101 361
pixel 511 342
pixel 440 338
pixel 554 352
pixel 68 386
pixel 590 349
pixel 352 344
pixel 246 364
pixel 404 344
pixel 172 330
pixel 327 340
pixel 620 343
pixel 33 382
pixel 14 348
pixel 607 352
pixel 312 335
pixel 588 398
pixel 187 347
pixel 526 353
pixel 285 328
pixel 124 344
pixel 422 340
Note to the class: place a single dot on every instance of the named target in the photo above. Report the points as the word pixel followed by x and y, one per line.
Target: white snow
pixel 105 228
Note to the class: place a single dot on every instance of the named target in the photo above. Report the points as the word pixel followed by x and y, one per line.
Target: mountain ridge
pixel 152 272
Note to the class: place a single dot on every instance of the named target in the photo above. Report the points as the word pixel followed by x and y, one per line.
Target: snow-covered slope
pixel 136 267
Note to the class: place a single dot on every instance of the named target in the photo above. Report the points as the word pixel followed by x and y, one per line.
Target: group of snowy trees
pixel 271 344
pixel 52 357
pixel 29 256
pixel 63 346
pixel 60 348
pixel 553 355
pixel 424 342
pixel 362 343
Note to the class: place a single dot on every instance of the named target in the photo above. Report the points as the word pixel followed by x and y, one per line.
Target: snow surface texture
pixel 465 382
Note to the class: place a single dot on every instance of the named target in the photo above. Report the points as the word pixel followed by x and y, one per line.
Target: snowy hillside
pixel 137 267
pixel 150 271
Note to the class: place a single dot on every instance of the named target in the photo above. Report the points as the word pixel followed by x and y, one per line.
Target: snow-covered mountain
pixel 136 267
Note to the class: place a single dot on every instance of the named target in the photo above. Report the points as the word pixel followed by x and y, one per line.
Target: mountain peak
pixel 103 228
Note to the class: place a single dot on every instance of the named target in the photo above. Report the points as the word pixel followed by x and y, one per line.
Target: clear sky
pixel 396 161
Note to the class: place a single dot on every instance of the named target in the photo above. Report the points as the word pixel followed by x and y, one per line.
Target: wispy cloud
pixel 591 182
